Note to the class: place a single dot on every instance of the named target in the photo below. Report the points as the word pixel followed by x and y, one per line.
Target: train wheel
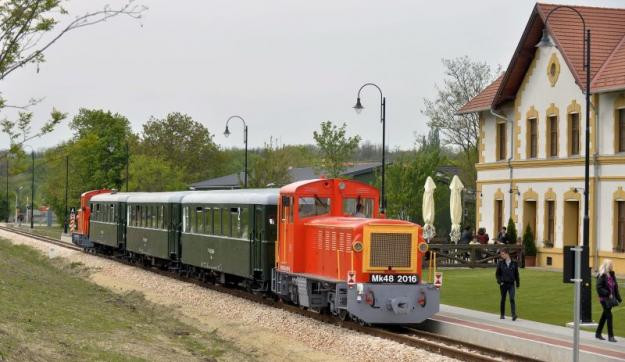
pixel 343 315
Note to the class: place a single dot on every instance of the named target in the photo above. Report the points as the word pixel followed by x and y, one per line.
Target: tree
pixel 465 78
pixel 150 174
pixel 27 29
pixel 101 137
pixel 529 246
pixel 511 233
pixel 271 167
pixel 335 148
pixel 183 143
pixel 406 176
pixel 97 158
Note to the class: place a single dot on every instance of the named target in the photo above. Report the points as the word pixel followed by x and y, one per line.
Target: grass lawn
pixel 53 231
pixel 542 296
pixel 49 312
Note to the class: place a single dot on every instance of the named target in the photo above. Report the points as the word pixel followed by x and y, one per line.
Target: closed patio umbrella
pixel 428 210
pixel 455 207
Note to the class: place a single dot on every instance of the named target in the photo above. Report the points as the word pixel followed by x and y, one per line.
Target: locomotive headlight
pixel 357 246
pixel 423 247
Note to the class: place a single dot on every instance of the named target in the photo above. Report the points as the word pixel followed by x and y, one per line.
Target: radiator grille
pixel 390 249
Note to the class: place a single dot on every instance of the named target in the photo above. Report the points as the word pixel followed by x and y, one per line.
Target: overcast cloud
pixel 285 66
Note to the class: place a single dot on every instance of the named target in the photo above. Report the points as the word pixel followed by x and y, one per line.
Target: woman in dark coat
pixel 607 289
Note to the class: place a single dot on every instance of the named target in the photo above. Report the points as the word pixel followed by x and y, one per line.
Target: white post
pixel 576 301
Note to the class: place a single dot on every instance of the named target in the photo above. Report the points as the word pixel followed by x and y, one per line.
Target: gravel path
pixel 265 332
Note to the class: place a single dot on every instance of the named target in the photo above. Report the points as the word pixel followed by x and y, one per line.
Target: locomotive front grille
pixel 390 247
pixel 390 250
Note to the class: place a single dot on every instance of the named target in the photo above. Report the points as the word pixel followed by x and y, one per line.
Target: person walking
pixel 507 276
pixel 609 297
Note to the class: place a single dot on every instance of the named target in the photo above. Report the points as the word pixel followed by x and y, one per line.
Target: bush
pixel 511 234
pixel 529 247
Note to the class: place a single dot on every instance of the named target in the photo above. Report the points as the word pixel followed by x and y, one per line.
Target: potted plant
pixel 529 247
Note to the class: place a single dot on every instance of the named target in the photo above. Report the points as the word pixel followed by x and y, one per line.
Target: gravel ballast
pixel 265 332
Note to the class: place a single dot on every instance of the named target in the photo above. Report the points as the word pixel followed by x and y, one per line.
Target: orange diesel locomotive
pixel 335 251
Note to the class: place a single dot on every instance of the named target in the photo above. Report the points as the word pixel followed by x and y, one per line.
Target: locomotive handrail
pixel 473 255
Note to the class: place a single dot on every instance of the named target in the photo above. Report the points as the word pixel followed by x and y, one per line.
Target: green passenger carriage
pixel 108 219
pixel 231 233
pixel 154 225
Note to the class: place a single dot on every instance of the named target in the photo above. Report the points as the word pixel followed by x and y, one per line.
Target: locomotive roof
pixel 113 197
pixel 158 197
pixel 243 196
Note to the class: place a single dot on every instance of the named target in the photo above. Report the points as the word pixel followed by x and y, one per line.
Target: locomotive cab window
pixel 313 206
pixel 358 207
pixel 286 214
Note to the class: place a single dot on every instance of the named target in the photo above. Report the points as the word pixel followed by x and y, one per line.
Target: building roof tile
pixel 607 71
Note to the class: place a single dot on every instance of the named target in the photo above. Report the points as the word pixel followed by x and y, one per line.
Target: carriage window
pixel 217 221
pixel 238 218
pixel 313 206
pixel 154 216
pixel 162 216
pixel 199 220
pixel 235 221
pixel 187 223
pixel 192 220
pixel 208 221
pixel 144 215
pixel 225 222
pixel 131 217
pixel 351 208
pixel 148 216
pixel 244 223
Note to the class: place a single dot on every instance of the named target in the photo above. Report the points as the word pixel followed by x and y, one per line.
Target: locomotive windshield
pixel 313 206
pixel 358 207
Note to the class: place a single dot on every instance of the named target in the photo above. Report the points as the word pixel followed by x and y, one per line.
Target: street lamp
pixel 227 133
pixel 585 308
pixel 358 108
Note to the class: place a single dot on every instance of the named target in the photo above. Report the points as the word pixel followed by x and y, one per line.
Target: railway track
pixel 406 335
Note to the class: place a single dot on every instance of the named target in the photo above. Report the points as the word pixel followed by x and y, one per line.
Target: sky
pixel 284 66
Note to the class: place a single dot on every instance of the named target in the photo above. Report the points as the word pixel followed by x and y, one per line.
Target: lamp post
pixel 358 108
pixel 584 278
pixel 65 221
pixel 7 208
pixel 227 133
pixel 127 164
pixel 32 190
pixel 17 206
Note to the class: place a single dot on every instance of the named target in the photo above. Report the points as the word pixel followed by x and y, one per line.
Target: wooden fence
pixel 472 256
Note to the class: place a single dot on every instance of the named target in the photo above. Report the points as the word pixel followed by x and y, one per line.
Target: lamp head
pixel 358 107
pixel 227 131
pixel 545 41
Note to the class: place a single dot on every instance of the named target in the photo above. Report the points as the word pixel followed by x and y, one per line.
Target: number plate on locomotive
pixel 394 278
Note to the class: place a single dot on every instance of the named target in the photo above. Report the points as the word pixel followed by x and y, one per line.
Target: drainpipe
pixel 511 173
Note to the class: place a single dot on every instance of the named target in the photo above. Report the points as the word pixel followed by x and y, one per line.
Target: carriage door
pixel 120 218
pixel 257 240
pixel 172 220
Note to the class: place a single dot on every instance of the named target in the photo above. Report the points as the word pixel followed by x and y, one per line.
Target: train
pixel 319 244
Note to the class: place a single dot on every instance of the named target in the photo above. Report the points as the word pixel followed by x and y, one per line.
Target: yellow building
pixel 532 137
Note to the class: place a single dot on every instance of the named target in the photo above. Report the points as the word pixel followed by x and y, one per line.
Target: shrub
pixel 511 234
pixel 529 246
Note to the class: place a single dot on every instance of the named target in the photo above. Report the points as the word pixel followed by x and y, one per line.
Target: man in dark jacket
pixel 507 275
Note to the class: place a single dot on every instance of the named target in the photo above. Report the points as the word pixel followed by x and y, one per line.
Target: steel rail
pixel 409 336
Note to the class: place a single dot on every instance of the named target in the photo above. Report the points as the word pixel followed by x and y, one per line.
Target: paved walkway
pixel 544 341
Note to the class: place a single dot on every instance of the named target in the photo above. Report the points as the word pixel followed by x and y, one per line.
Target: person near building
pixel 507 276
pixel 609 297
